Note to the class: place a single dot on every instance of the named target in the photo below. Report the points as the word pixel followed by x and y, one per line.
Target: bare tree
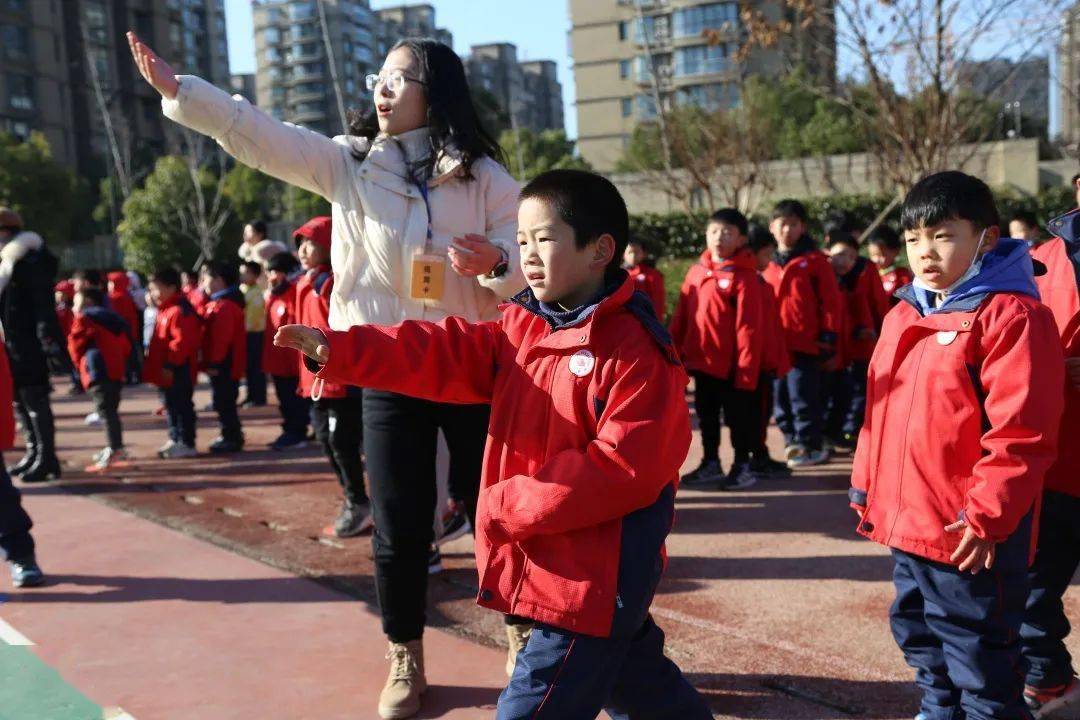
pixel 203 217
pixel 909 59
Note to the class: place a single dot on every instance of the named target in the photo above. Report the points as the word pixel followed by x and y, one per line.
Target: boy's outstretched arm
pixel 642 438
pixel 1022 375
pixel 450 361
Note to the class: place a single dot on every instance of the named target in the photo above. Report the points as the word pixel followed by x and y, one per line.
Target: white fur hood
pixel 15 250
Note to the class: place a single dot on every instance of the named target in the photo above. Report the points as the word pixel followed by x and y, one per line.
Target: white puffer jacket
pixel 380 221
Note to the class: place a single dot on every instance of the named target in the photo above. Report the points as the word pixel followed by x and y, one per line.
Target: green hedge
pixel 679 235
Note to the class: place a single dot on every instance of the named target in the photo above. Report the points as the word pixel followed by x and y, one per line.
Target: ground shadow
pixel 784 697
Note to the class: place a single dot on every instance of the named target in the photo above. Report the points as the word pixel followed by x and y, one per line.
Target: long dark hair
pixel 451 115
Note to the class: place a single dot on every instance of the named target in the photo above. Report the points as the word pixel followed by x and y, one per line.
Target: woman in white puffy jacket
pixel 424 227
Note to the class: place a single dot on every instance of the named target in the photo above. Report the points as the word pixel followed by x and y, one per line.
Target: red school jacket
pixel 589 426
pixel 313 309
pixel 99 345
pixel 775 359
pixel 719 324
pixel 120 301
pixel 865 306
pixel 175 341
pixel 1064 476
pixel 650 281
pixel 962 420
pixel 808 297
pixel 1058 287
pixel 280 310
pixel 224 345
pixel 893 278
pixel 7 395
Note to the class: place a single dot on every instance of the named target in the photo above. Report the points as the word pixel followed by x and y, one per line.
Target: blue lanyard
pixel 422 187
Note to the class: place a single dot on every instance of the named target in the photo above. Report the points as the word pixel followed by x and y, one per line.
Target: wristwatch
pixel 500 267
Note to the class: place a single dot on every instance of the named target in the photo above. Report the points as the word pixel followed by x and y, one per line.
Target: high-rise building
pixel 244 86
pixel 408 21
pixel 295 77
pixel 58 55
pixel 528 92
pixel 1067 82
pixel 1005 82
pixel 616 44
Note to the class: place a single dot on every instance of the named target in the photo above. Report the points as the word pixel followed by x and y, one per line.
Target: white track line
pixel 117 714
pixel 12 636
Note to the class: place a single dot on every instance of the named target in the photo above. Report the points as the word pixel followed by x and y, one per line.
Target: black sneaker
pixel 740 478
pixel 353 520
pixel 26 573
pixel 708 474
pixel 843 444
pixel 767 467
pixel 434 560
pixel 221 446
pixel 454 524
pixel 288 441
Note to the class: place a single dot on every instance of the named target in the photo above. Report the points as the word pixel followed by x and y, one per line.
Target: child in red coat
pixel 172 360
pixel 1052 686
pixel 121 303
pixel 224 349
pixel 99 345
pixel 811 314
pixel 883 247
pixel 279 363
pixel 588 430
pixel 337 408
pixel 649 280
pixel 719 329
pixel 965 401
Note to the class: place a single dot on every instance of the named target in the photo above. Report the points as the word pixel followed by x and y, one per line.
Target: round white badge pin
pixel 946 337
pixel 724 283
pixel 582 362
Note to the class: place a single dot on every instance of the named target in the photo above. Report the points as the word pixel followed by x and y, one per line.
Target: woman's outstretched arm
pixel 290 153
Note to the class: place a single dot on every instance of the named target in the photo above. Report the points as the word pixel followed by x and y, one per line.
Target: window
pixel 96 23
pixel 693 21
pixel 623 32
pixel 305 51
pixel 302 10
pixel 627 106
pixel 15 41
pixel 701 60
pixel 20 92
pixel 18 128
pixel 15 5
pixel 657 28
pixel 272 36
pixel 713 96
pixel 272 55
pixel 624 69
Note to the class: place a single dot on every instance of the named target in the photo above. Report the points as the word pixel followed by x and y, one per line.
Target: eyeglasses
pixel 394 81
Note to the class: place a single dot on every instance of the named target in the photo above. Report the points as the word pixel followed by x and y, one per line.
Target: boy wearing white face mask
pixel 964 399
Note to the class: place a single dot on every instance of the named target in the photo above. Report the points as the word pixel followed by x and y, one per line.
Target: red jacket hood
pixel 317 229
pixel 119 281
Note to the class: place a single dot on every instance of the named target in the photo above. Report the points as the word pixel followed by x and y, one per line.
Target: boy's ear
pixel 990 241
pixel 605 251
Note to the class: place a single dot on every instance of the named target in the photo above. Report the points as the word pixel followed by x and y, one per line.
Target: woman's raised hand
pixel 473 255
pixel 155 70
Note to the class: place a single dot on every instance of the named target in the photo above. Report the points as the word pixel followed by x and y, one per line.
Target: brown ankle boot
pixel 400 696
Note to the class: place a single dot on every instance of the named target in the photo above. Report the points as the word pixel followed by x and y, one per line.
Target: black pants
pixel 400 436
pixel 295 410
pixel 339 426
pixel 766 398
pixel 179 408
pixel 133 371
pixel 15 540
pixel 223 391
pixel 256 378
pixel 1045 624
pixel 106 397
pixel 715 397
pixel 34 411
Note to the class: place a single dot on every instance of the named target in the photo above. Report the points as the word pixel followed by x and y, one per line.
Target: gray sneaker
pixel 353 520
pixel 26 573
pixel 707 474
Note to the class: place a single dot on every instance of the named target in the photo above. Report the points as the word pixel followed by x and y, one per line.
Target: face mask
pixel 973 269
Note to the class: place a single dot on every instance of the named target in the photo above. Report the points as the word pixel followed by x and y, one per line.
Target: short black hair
pixel 789 207
pixel 1027 217
pixel 949 195
pixel 760 238
pixel 842 221
pixel 258 226
pixel 92 295
pixel 228 272
pixel 731 216
pixel 587 202
pixel 1075 178
pixel 884 236
pixel 94 277
pixel 284 262
pixel 252 267
pixel 843 237
pixel 166 276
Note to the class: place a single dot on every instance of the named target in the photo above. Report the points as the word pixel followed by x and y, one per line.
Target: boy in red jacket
pixel 883 247
pixel 719 330
pixel 810 312
pixel 338 410
pixel 965 401
pixel 588 430
pixel 865 306
pixel 99 345
pixel 121 303
pixel 171 360
pixel 649 280
pixel 279 363
pixel 1052 689
pixel 224 349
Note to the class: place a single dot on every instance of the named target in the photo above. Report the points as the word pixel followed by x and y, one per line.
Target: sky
pixel 539 28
